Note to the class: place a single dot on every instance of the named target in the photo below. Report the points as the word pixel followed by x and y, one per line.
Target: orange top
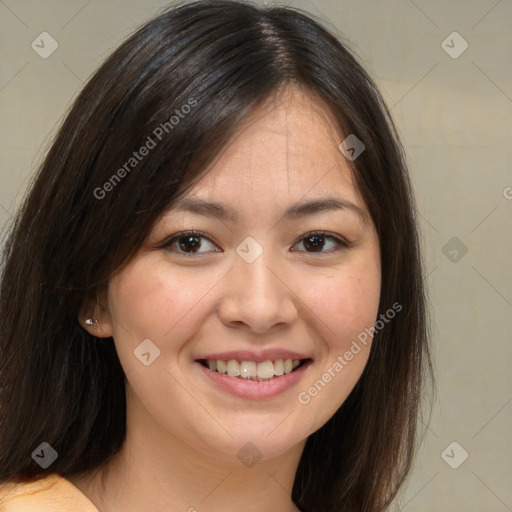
pixel 50 494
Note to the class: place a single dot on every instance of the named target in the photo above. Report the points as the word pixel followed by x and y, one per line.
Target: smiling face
pixel 281 273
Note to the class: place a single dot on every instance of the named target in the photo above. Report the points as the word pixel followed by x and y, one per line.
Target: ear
pixel 95 318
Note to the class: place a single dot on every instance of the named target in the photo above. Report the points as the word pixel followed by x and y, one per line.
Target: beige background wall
pixel 455 117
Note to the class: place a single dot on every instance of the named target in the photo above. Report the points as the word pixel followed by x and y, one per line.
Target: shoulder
pixel 49 494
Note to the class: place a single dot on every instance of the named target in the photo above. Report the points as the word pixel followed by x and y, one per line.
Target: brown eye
pixel 317 242
pixel 190 242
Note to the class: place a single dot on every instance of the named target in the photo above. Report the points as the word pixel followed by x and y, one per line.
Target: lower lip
pixel 253 389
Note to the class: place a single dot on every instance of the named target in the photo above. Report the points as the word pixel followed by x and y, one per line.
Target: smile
pixel 254 380
pixel 253 370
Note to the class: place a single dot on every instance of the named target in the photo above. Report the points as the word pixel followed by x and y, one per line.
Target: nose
pixel 256 296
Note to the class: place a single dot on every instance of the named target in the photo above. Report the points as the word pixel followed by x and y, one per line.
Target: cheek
pixel 344 312
pixel 146 301
pixel 345 303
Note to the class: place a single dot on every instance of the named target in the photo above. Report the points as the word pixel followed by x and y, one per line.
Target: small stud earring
pixel 91 322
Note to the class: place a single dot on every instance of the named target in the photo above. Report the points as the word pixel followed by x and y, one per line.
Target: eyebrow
pixel 300 210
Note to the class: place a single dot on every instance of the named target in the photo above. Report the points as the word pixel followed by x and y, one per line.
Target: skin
pixel 183 433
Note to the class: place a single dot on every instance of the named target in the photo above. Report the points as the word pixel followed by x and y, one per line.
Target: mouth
pixel 258 371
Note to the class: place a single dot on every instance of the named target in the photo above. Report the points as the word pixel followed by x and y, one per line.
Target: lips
pixel 253 365
pixel 250 374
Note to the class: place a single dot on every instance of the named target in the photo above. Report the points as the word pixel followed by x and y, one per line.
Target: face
pixel 236 320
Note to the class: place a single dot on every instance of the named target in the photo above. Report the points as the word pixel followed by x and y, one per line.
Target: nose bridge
pixel 255 295
pixel 256 266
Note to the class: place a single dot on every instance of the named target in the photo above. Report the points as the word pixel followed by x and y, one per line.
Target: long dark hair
pixel 84 218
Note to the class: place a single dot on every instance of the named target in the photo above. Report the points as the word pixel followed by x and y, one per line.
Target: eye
pixel 189 242
pixel 316 242
pixel 195 242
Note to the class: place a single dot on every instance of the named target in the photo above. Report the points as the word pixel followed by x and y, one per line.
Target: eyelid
pixel 190 232
pixel 320 232
pixel 341 242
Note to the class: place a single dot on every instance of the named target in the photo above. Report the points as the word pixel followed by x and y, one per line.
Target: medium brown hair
pixel 57 383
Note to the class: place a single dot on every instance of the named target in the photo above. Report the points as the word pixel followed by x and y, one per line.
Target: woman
pixel 212 297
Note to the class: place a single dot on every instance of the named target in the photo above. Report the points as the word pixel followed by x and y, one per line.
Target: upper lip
pixel 252 355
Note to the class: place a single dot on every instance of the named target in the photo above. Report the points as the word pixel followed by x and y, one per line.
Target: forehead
pixel 286 151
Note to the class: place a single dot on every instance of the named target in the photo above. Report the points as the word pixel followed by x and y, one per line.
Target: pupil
pixel 316 242
pixel 191 240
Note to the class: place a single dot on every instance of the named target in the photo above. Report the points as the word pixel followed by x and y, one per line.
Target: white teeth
pixel 264 370
pixel 279 367
pixel 233 368
pixel 248 369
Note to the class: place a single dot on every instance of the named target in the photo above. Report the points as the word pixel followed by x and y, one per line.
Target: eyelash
pixel 340 243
